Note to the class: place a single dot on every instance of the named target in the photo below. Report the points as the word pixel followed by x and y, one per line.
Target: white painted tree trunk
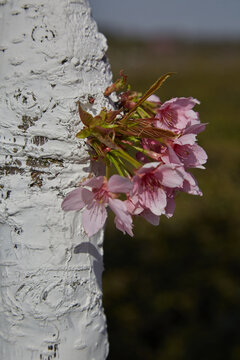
pixel 51 56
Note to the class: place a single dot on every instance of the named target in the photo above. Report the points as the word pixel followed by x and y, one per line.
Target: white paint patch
pixel 51 56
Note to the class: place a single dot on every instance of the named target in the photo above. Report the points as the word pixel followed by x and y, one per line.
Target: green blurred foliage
pixel 173 292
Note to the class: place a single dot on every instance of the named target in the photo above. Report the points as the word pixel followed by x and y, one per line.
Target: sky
pixel 190 18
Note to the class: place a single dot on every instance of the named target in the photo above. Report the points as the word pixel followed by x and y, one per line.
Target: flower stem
pixel 142 112
pixel 107 172
pixel 127 157
pixel 115 163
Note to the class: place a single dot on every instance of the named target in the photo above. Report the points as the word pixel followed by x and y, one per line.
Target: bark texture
pixel 51 56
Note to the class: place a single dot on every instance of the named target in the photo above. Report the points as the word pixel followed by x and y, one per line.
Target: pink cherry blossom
pixel 94 203
pixel 189 153
pixel 189 156
pixel 149 188
pixel 177 113
pixel 192 156
pixel 183 150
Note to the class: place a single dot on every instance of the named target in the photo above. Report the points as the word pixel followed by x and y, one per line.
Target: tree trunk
pixel 51 56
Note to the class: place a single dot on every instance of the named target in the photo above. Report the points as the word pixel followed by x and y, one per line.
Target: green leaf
pixel 109 126
pixel 84 133
pixel 133 139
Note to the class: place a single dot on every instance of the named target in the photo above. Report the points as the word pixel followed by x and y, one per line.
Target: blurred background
pixel 173 292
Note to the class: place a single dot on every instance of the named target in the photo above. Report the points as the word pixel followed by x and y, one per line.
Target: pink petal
pixel 170 208
pixel 161 125
pixel 149 167
pixel 94 217
pixel 186 103
pixel 73 201
pixel 124 226
pixel 119 184
pixel 87 196
pixel 191 155
pixel 154 98
pixel 190 185
pixel 200 154
pixel 150 217
pixel 133 206
pixel 94 182
pixel 169 176
pixel 123 219
pixel 118 207
pixel 172 157
pixel 154 200
pixel 189 139
pixel 195 129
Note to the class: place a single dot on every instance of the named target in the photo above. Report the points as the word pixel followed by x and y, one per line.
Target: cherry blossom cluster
pixel 151 145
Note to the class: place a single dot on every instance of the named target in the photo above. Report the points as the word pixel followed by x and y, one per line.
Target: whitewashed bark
pixel 51 55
